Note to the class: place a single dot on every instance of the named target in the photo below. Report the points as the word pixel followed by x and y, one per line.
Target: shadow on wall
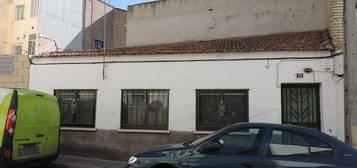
pixel 95 31
pixel 115 35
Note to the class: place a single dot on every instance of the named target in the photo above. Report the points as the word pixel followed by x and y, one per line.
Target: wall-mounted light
pixel 308 70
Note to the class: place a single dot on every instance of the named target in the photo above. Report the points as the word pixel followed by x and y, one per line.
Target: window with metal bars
pixel 77 107
pixel 216 109
pixel 145 109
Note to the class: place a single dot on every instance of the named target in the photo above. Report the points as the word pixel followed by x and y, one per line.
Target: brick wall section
pixel 21 77
pixel 336 23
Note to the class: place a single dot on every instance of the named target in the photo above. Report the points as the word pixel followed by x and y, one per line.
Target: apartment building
pixel 30 27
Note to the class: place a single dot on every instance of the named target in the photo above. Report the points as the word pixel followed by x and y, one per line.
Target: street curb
pixel 66 161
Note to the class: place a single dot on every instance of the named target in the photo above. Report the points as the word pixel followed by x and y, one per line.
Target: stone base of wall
pixel 112 145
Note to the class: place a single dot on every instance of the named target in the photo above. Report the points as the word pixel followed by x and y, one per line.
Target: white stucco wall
pixel 62 22
pixel 263 79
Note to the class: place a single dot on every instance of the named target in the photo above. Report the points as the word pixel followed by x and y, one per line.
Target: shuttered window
pixel 145 109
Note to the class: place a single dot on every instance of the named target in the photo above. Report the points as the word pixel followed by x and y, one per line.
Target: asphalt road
pixel 81 162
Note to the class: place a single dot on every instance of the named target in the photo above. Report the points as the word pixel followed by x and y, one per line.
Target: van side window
pixel 286 143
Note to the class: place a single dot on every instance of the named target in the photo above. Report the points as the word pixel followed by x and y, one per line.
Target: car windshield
pixel 200 140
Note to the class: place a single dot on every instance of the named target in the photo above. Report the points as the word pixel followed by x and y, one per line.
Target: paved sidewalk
pixel 65 161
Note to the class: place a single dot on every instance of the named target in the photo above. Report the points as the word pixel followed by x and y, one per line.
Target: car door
pixel 238 148
pixel 291 149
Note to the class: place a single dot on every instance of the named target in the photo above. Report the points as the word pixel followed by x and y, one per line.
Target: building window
pixel 32 44
pixel 218 108
pixel 77 107
pixel 98 44
pixel 145 109
pixel 17 49
pixel 19 12
pixel 34 8
pixel 286 143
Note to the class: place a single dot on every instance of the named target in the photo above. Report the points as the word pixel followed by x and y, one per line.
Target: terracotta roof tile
pixel 297 41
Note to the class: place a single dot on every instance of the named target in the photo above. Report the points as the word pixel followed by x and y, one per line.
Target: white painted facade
pixel 184 74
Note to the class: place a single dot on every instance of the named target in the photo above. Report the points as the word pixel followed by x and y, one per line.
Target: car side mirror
pixel 210 147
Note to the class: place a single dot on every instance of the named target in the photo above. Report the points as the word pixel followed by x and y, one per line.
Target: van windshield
pixel 3 93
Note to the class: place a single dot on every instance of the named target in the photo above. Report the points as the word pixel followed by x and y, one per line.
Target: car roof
pixel 312 132
pixel 282 126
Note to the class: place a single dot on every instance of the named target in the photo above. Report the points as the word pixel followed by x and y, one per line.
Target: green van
pixel 29 128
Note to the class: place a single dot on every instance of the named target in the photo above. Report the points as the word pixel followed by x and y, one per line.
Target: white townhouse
pixel 118 102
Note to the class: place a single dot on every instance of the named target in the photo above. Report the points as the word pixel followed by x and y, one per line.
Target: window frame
pixel 34 11
pixel 17 45
pixel 32 48
pixel 309 136
pixel 74 125
pixel 260 138
pixel 96 41
pixel 145 127
pixel 16 17
pixel 223 91
pixel 224 131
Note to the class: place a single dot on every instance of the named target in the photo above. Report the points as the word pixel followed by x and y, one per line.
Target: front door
pixel 237 149
pixel 301 105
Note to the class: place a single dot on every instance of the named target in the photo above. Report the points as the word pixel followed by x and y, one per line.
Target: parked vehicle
pixel 29 128
pixel 253 145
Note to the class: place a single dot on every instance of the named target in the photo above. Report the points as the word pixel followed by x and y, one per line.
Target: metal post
pixel 350 58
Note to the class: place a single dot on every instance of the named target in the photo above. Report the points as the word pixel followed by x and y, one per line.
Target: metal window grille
pixel 32 44
pixel 78 107
pixel 218 108
pixel 301 105
pixel 145 109
pixel 19 12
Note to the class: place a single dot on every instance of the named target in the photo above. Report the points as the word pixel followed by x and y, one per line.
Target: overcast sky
pixel 123 4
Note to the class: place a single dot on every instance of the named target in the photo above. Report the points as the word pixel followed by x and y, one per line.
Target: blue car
pixel 252 145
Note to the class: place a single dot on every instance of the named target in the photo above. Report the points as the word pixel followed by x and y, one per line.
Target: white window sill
pixel 203 132
pixel 78 129
pixel 144 131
